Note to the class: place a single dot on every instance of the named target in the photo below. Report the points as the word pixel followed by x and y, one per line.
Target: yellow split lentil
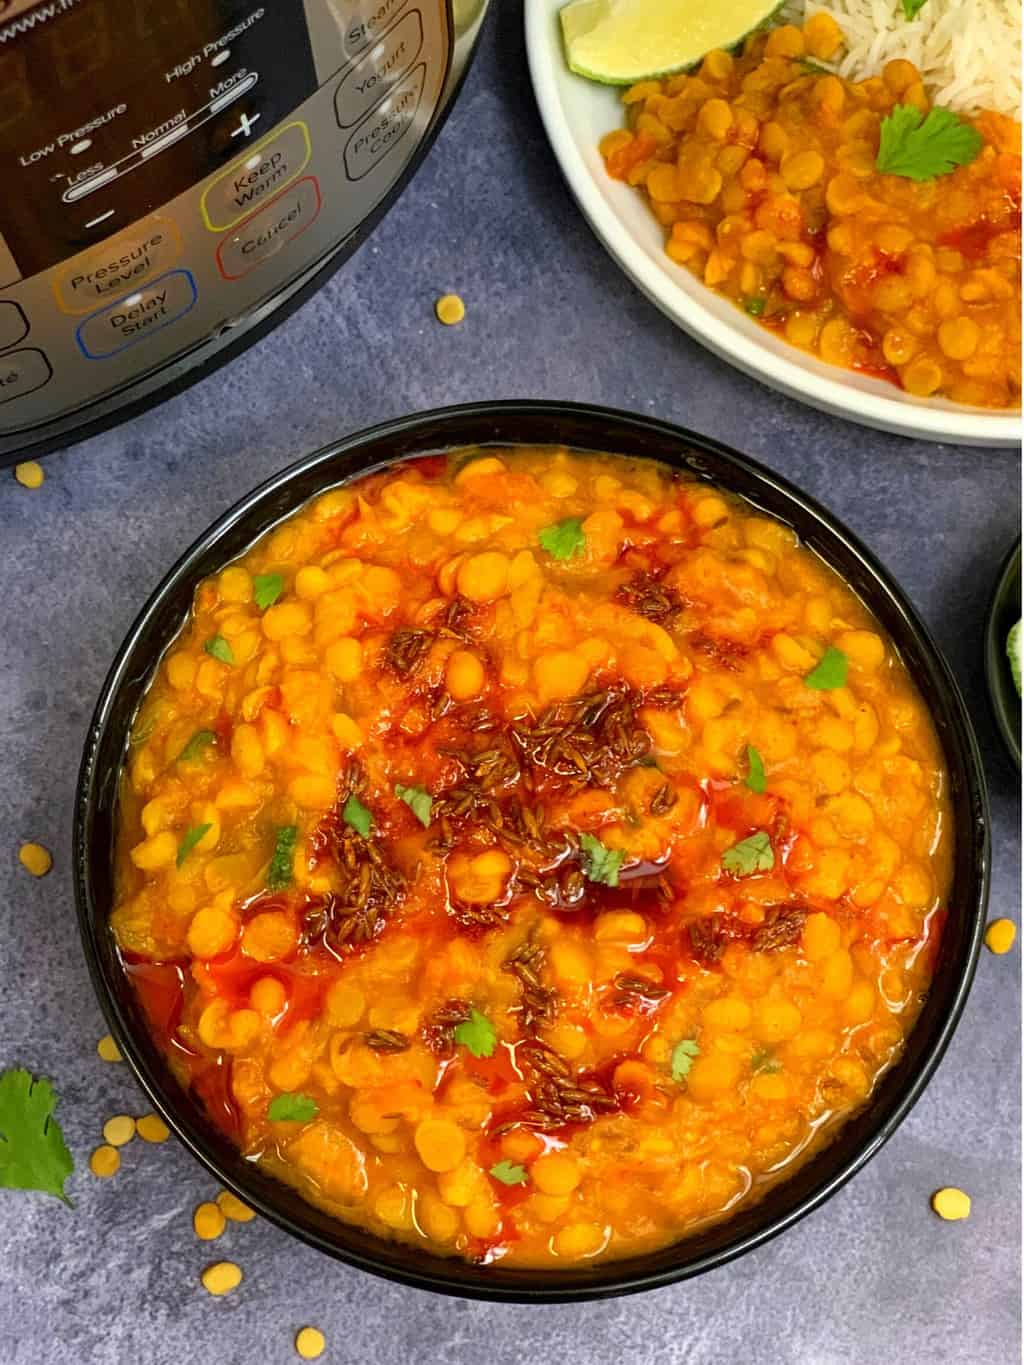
pixel 655 982
pixel 36 859
pixel 151 1128
pixel 450 309
pixel 221 1277
pixel 208 1221
pixel 310 1343
pixel 108 1049
pixel 952 1205
pixel 1000 936
pixel 233 1208
pixel 30 474
pixel 119 1130
pixel 105 1161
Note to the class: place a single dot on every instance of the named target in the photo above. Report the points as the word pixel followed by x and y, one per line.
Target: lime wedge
pixel 1014 643
pixel 619 42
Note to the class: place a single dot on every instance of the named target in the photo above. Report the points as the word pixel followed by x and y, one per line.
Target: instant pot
pixel 179 174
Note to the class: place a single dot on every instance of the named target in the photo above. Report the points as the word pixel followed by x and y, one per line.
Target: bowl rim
pixel 451 1275
pixel 1001 694
pixel 944 424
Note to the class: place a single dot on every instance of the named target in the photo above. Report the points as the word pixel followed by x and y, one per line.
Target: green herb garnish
pixel 33 1153
pixel 280 873
pixel 600 864
pixel 189 840
pixel 220 649
pixel 754 306
pixel 292 1109
pixel 912 8
pixel 509 1173
pixel 830 672
pixel 477 1034
pixel 563 539
pixel 419 801
pixel 756 780
pixel 921 148
pixel 815 68
pixel 354 813
pixel 764 1060
pixel 266 589
pixel 750 855
pixel 201 740
pixel 682 1058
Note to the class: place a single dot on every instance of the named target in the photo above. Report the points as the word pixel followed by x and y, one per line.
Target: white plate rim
pixel 923 420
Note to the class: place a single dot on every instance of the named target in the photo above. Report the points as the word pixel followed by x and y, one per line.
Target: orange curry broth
pixel 425 637
pixel 762 169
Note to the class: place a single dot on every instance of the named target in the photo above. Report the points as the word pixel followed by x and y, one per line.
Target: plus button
pixel 245 125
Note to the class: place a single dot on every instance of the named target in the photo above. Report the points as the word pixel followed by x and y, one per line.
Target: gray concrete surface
pixel 873 1277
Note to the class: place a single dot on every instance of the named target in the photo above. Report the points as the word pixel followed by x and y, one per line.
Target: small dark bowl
pixel 1003 615
pixel 585 428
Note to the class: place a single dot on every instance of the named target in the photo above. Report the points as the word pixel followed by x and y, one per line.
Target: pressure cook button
pixel 381 68
pixel 23 372
pixel 385 127
pixel 13 324
pixel 121 263
pixel 249 182
pixel 266 232
pixel 137 316
pixel 367 25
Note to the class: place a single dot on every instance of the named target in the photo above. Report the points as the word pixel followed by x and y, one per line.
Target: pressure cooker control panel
pixel 169 165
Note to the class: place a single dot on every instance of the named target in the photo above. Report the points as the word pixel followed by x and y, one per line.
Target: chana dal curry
pixel 851 218
pixel 530 854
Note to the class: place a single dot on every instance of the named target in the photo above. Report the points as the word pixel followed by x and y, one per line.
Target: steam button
pixel 366 83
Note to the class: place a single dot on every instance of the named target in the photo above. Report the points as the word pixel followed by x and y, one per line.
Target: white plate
pixel 576 114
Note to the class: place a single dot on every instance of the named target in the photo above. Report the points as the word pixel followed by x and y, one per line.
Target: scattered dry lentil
pixel 108 1049
pixel 105 1161
pixel 310 1343
pixel 35 858
pixel 221 1277
pixel 151 1128
pixel 999 936
pixel 119 1130
pixel 951 1204
pixel 208 1221
pixel 450 309
pixel 29 474
pixel 232 1207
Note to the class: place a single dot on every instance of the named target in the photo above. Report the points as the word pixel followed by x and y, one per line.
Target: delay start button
pixel 266 232
pixel 137 316
pixel 258 176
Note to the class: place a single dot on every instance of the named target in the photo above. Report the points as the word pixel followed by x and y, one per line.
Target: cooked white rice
pixel 968 51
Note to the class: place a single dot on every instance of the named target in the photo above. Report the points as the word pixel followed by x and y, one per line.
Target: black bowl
pixel 585 428
pixel 1003 615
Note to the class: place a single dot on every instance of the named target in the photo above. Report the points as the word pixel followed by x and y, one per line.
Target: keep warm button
pixel 266 232
pixel 137 316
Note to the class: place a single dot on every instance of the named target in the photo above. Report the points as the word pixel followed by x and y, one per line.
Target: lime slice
pixel 619 42
pixel 1014 642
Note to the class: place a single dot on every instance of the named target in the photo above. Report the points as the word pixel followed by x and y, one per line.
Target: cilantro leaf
pixel 830 672
pixel 201 740
pixel 477 1033
pixel 280 873
pixel 563 539
pixel 354 813
pixel 922 148
pixel 600 864
pixel 682 1058
pixel 266 589
pixel 419 801
pixel 294 1108
pixel 754 306
pixel 220 649
pixel 810 68
pixel 765 1061
pixel 189 840
pixel 911 8
pixel 33 1153
pixel 509 1173
pixel 750 855
pixel 756 780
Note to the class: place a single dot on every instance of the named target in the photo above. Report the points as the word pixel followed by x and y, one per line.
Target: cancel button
pixel 266 232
